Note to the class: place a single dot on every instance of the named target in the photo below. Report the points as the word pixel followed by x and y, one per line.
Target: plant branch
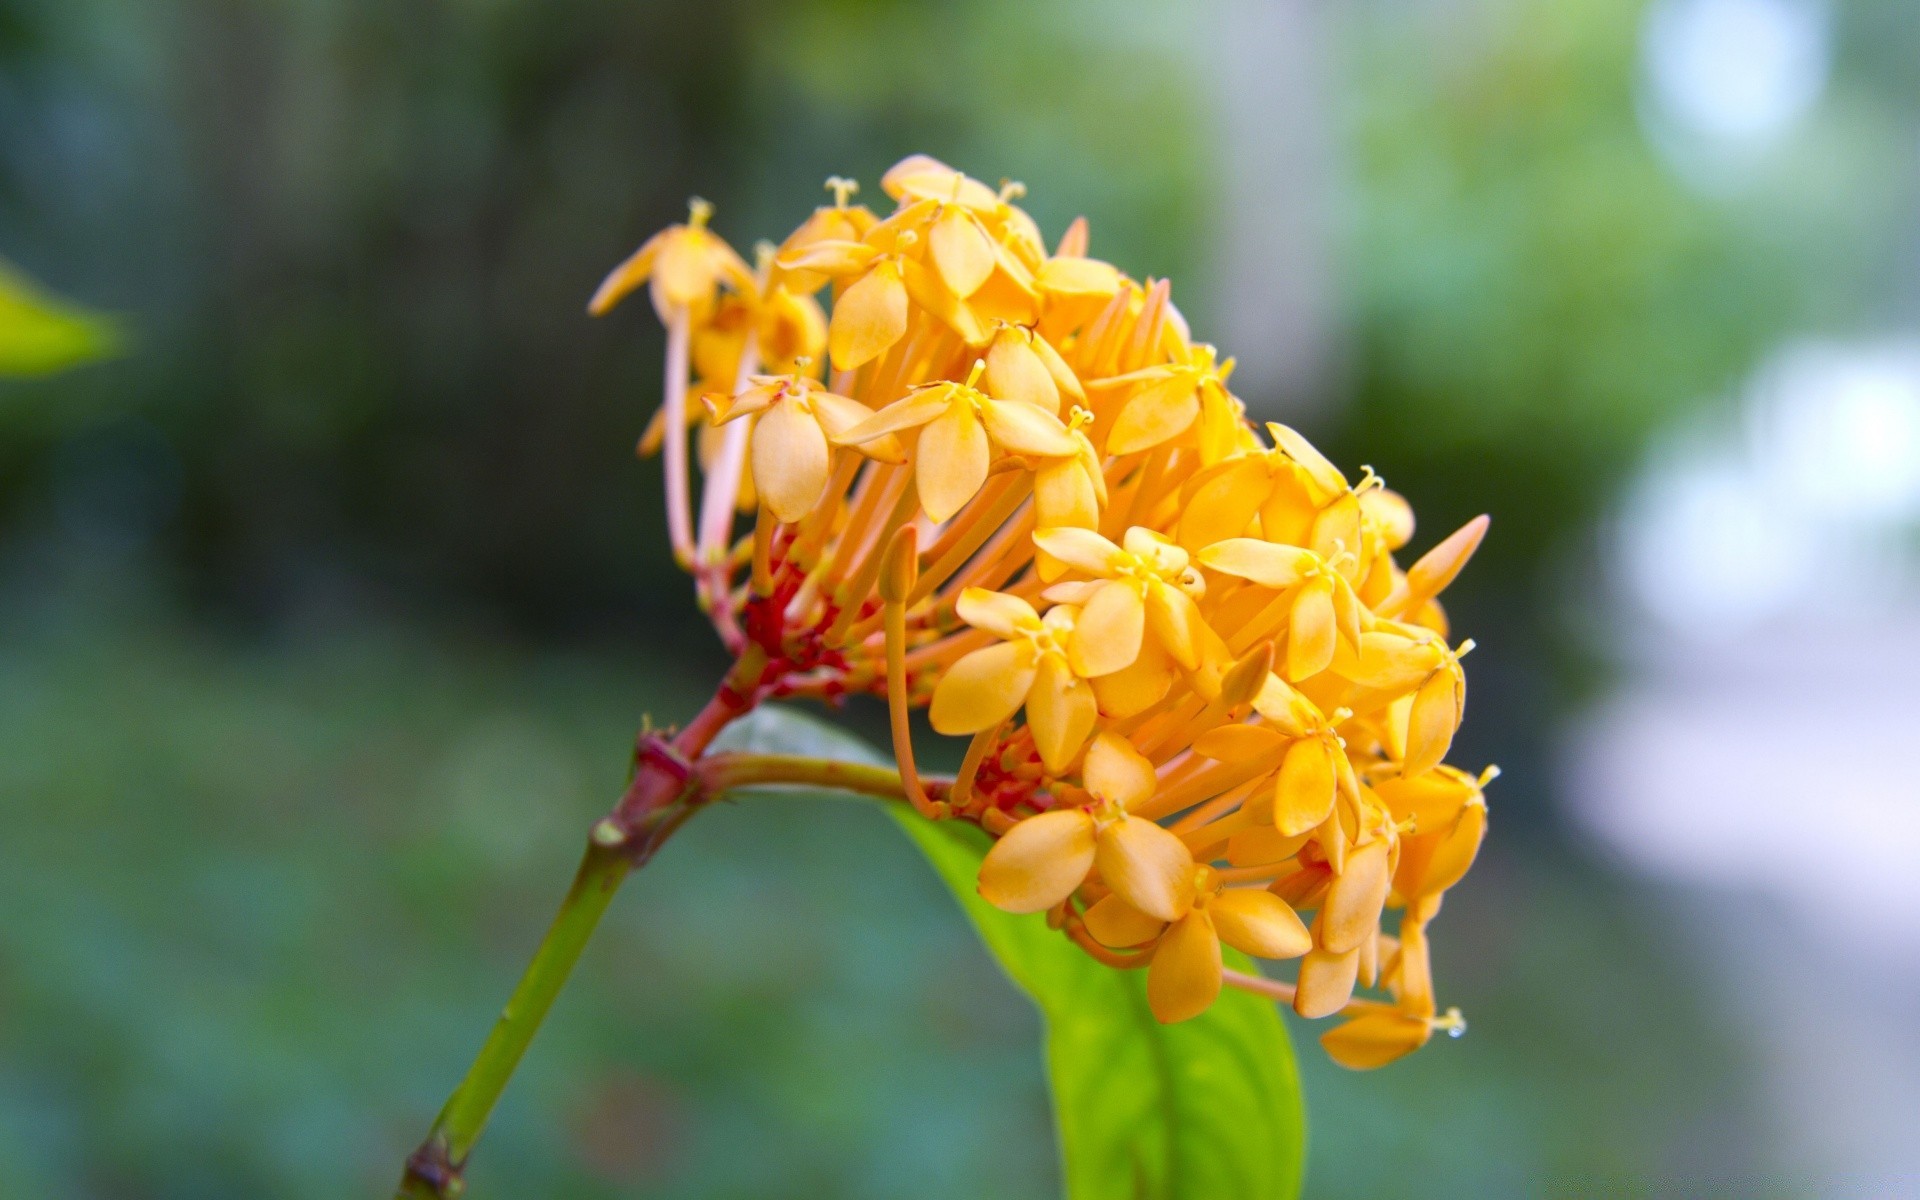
pixel 666 789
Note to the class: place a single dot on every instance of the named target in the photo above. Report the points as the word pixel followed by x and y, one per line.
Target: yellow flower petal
pixel 1265 563
pixel 1158 413
pixel 1039 862
pixel 1303 793
pixel 983 689
pixel 999 614
pixel 627 276
pixel 1184 978
pixel 1082 549
pixel 1113 922
pixel 830 256
pixel 1115 771
pixel 1375 1039
pixel 951 462
pixel 1223 506
pixel 790 460
pixel 1078 276
pixel 1431 863
pixel 1133 690
pixel 908 412
pixel 1326 982
pixel 1176 622
pixel 1150 867
pixel 1437 567
pixel 868 318
pixel 1352 910
pixel 1057 369
pixel 1061 712
pixel 1337 529
pixel 1063 496
pixel 1257 922
pixel 1262 845
pixel 931 293
pixel 839 416
pixel 1311 631
pixel 1431 722
pixel 1324 474
pixel 1112 626
pixel 1239 743
pixel 960 250
pixel 1016 372
pixel 1023 429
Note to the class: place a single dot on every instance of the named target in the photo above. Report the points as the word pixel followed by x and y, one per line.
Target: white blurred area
pixel 1764 604
pixel 1758 750
pixel 1724 82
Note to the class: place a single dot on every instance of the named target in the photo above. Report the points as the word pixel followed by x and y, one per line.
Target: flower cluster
pixel 1206 706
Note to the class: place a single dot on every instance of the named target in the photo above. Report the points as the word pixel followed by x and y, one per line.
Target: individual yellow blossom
pixel 1028 668
pixel 794 424
pixel 683 265
pixel 836 222
pixel 960 426
pixel 1144 583
pixel 1185 974
pixel 1323 609
pixel 1044 859
pixel 1164 401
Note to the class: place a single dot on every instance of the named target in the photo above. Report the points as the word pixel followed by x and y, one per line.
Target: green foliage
pixel 1145 1111
pixel 1208 1107
pixel 40 335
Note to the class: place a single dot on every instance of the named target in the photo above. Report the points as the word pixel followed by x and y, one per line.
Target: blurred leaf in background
pixel 40 335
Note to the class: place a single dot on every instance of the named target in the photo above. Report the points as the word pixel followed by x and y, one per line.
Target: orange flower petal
pixel 1113 922
pixel 790 460
pixel 1375 1039
pixel 1112 626
pixel 951 461
pixel 1354 901
pixel 1326 982
pixel 1303 792
pixel 983 689
pixel 868 318
pixel 1184 978
pixel 1158 413
pixel 1150 867
pixel 1310 630
pixel 1257 922
pixel 1039 862
pixel 1061 711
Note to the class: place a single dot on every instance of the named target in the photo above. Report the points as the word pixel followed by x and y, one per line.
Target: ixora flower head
pixel 1205 705
pixel 1203 699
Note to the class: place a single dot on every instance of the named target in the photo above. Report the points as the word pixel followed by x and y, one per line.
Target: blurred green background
pixel 329 607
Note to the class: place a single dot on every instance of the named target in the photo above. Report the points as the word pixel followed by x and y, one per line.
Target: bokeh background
pixel 329 607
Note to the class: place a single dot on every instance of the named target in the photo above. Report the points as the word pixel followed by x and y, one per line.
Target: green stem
pixel 435 1168
pixel 664 792
pixel 674 780
pixel 726 772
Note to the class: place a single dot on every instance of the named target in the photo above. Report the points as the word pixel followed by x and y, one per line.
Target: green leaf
pixel 1207 1108
pixel 40 335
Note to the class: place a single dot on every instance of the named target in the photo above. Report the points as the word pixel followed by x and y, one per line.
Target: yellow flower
pixel 1044 859
pixel 960 426
pixel 1184 977
pixel 1323 607
pixel 1164 401
pixel 1028 668
pixel 1147 583
pixel 684 264
pixel 794 424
